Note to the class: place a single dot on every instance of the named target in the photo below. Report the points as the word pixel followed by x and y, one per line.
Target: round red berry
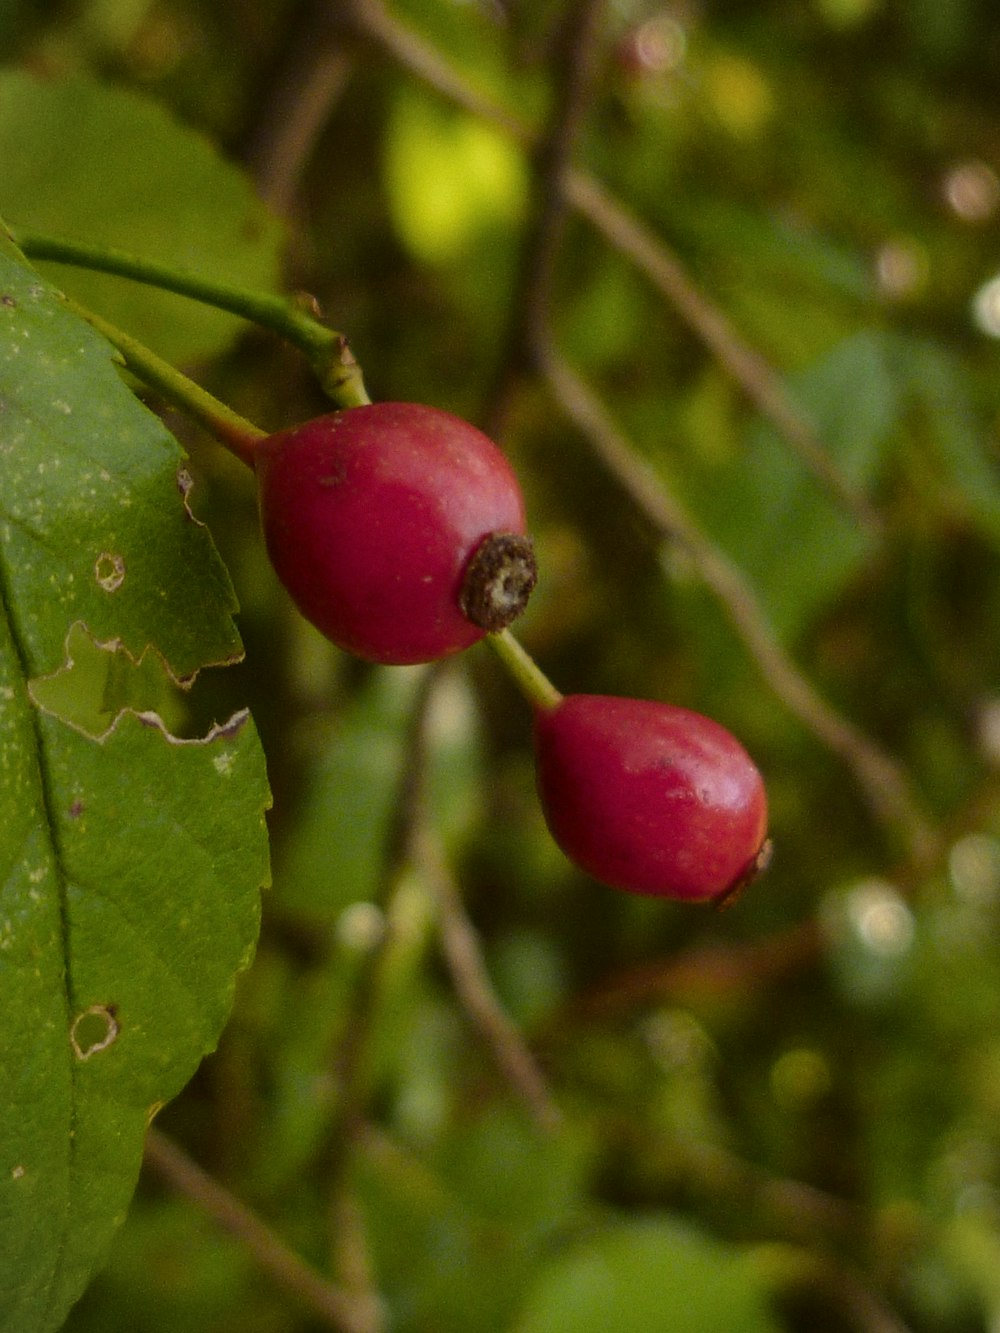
pixel 649 797
pixel 374 515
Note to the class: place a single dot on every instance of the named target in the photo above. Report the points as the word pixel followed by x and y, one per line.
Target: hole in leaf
pixel 94 1030
pixel 109 571
pixel 100 681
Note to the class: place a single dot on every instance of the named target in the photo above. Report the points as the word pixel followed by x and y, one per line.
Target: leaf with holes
pixel 130 861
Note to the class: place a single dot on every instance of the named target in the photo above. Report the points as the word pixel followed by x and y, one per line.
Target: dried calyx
pixel 498 581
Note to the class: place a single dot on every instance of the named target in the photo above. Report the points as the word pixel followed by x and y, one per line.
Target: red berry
pixel 648 797
pixel 372 518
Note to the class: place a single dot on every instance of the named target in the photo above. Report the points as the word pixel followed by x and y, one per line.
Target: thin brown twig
pixel 464 959
pixel 744 364
pixel 352 1259
pixel 412 842
pixel 845 1290
pixel 351 1060
pixel 372 20
pixel 353 1055
pixel 328 1302
pixel 761 383
pixel 704 973
pixel 869 1312
pixel 791 1209
pixel 885 785
pixel 285 144
pixel 572 64
pixel 310 72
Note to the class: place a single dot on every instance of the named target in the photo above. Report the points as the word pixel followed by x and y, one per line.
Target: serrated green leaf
pixel 96 526
pixel 129 866
pixel 106 165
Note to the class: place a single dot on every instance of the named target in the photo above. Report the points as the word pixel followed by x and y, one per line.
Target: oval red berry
pixel 371 516
pixel 649 797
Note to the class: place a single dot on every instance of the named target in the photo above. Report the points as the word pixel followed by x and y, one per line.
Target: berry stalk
pixel 526 674
pixel 235 432
pixel 293 318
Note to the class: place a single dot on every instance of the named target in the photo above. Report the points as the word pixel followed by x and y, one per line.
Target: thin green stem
pixel 524 671
pixel 293 318
pixel 238 434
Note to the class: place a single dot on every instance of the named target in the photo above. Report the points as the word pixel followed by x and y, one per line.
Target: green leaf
pixel 969 476
pixel 97 527
pixel 796 542
pixel 106 165
pixel 655 1275
pixel 129 865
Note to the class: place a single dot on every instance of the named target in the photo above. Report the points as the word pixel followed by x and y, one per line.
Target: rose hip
pixel 649 797
pixel 374 515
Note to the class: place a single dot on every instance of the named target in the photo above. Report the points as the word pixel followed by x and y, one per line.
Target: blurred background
pixel 724 281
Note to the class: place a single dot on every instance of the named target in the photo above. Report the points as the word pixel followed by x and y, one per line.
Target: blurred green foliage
pixel 794 1103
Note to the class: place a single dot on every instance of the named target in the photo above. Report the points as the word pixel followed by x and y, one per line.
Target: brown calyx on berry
pixel 498 581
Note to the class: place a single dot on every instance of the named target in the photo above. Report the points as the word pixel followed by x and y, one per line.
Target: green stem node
pixel 293 318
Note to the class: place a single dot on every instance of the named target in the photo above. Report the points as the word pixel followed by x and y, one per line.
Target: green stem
pixel 292 318
pixel 238 434
pixel 524 671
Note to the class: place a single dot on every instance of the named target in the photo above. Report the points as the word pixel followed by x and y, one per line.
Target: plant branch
pixel 411 842
pixel 885 785
pixel 463 955
pixel 761 383
pixel 573 63
pixel 745 365
pixel 293 98
pixel 292 318
pixel 334 1307
pixel 790 1208
pixel 352 1259
pixel 372 21
pixel 703 974
pixel 790 1270
pixel 352 1058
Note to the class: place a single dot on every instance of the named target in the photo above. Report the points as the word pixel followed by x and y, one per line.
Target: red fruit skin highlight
pixel 649 797
pixel 370 516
